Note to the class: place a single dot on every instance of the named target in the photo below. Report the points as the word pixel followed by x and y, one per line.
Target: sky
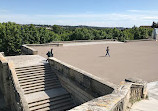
pixel 101 13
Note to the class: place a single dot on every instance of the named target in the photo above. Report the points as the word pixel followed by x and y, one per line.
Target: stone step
pixel 42 89
pixel 37 103
pixel 66 107
pixel 36 76
pixel 33 70
pixel 39 81
pixel 35 73
pixel 39 96
pixel 35 67
pixel 36 79
pixel 32 67
pixel 55 104
pixel 40 86
pixel 59 107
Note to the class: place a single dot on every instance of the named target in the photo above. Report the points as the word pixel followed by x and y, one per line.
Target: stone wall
pixel 76 41
pixel 120 100
pixel 10 88
pixel 96 94
pixel 82 85
pixel 26 50
pixel 140 40
pixel 4 78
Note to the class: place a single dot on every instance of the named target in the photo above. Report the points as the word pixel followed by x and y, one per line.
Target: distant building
pixel 155 34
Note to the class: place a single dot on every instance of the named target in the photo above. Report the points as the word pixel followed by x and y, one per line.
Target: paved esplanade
pixel 133 59
pixel 151 104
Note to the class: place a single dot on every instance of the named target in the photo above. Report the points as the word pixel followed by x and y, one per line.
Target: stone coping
pixel 28 50
pixel 74 41
pixel 140 40
pixel 105 103
pixel 48 44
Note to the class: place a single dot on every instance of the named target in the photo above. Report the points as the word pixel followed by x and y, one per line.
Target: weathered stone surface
pixel 151 103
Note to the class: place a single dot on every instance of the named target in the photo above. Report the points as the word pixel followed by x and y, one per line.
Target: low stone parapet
pixel 82 85
pixel 26 50
pixel 120 100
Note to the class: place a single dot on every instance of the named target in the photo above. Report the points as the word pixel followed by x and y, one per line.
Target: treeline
pixel 13 35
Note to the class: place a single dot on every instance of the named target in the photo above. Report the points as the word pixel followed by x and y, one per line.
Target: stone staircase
pixel 42 89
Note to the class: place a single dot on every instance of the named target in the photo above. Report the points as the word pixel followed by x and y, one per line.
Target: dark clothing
pixel 49 54
pixel 107 52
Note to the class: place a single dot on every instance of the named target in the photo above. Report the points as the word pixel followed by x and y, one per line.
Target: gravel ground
pixel 132 59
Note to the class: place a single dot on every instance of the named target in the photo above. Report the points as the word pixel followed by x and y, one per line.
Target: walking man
pixel 107 51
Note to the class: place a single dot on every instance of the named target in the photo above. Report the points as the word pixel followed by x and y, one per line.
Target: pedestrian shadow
pixel 102 56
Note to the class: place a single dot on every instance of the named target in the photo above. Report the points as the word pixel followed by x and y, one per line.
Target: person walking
pixel 107 51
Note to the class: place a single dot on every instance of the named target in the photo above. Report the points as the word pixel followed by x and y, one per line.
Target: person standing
pixel 48 55
pixel 107 51
pixel 52 52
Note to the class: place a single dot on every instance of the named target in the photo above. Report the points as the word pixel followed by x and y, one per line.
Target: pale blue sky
pixel 103 13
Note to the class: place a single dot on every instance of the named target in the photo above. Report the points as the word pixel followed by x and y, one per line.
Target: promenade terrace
pixel 131 59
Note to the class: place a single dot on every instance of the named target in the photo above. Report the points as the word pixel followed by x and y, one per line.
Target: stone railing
pixel 13 95
pixel 28 50
pixel 120 100
pixel 48 44
pixel 75 41
pixel 140 40
pixel 82 85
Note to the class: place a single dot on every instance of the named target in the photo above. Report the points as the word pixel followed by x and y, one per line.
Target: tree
pixel 13 35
